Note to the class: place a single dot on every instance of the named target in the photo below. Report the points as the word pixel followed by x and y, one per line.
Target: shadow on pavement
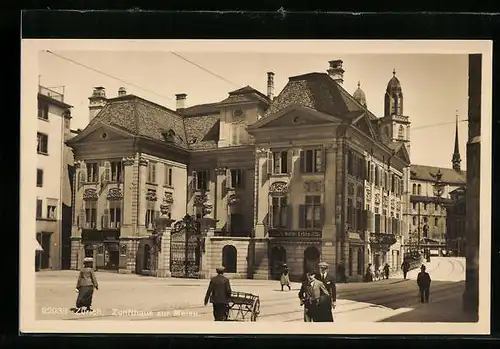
pixel 396 294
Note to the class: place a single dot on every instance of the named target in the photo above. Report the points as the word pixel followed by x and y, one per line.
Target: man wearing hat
pixel 219 292
pixel 424 284
pixel 329 281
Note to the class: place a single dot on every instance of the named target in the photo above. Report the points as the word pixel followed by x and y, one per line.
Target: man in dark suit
pixel 424 284
pixel 219 292
pixel 329 281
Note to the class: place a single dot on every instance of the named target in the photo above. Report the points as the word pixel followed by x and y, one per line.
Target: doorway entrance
pixel 44 239
pixel 311 259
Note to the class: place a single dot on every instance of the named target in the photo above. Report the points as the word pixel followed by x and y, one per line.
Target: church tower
pixel 394 125
pixel 456 160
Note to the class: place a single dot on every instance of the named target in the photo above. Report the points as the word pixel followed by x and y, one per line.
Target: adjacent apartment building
pixel 308 175
pixel 53 192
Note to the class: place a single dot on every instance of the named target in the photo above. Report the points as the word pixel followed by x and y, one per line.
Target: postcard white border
pixel 29 89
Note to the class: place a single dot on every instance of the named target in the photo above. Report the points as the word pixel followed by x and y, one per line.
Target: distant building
pixel 433 212
pixel 53 192
pixel 308 175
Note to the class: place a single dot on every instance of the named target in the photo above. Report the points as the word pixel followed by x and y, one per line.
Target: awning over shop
pixel 38 247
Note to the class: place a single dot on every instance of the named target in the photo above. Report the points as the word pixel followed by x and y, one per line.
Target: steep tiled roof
pixel 317 91
pixel 201 109
pixel 142 118
pixel 202 131
pixel 428 173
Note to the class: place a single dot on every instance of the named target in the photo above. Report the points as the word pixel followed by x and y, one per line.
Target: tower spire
pixel 455 160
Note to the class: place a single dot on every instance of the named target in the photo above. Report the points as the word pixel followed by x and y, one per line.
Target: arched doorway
pixel 278 258
pixel 311 259
pixel 146 258
pixel 229 258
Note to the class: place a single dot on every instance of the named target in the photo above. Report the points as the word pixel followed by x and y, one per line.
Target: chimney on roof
pixel 336 71
pixel 122 91
pixel 180 101
pixel 97 101
pixel 270 85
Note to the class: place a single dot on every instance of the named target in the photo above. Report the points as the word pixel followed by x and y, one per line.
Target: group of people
pixel 371 275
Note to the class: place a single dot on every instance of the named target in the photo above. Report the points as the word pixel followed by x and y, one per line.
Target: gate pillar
pixel 165 229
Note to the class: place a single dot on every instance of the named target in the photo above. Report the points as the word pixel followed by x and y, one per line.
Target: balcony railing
pixel 51 93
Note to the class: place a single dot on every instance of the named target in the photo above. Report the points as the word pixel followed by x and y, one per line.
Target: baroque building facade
pixel 308 175
pixel 429 221
pixel 53 191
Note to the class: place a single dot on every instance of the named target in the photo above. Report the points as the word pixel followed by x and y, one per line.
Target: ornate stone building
pixel 310 174
pixel 428 211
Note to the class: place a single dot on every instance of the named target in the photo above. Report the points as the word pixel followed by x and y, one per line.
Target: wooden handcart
pixel 243 307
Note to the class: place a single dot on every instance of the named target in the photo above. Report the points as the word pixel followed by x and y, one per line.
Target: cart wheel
pixel 256 310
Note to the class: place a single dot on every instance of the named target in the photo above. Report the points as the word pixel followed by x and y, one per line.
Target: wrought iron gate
pixel 185 248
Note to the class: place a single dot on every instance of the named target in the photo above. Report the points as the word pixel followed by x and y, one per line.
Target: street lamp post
pixel 438 189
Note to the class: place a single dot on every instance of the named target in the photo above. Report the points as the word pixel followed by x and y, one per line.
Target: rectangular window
pixel 311 215
pixel 312 160
pixel 39 208
pixel 115 214
pixel 377 176
pixel 236 178
pixel 279 210
pixel 359 216
pixel 116 171
pixel 39 178
pixel 152 172
pixel 169 176
pixel 92 172
pixel 377 223
pixel 349 213
pixel 200 180
pixel 91 214
pixel 42 143
pixel 280 161
pixel 43 111
pixel 51 211
pixel 151 215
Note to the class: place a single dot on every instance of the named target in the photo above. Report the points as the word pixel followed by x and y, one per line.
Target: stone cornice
pixel 143 161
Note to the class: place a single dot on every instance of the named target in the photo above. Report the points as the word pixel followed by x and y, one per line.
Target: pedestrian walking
pixel 424 284
pixel 405 267
pixel 386 270
pixel 329 281
pixel 316 300
pixel 85 286
pixel 218 293
pixel 368 273
pixel 285 278
pixel 341 273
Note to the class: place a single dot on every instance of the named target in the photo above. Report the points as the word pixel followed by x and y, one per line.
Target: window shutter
pixel 107 170
pixel 82 218
pixel 289 161
pixel 302 216
pixel 289 216
pixel 194 181
pixel 269 166
pixel 105 219
pixel 302 161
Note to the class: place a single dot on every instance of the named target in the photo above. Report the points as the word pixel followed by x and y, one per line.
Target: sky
pixel 434 85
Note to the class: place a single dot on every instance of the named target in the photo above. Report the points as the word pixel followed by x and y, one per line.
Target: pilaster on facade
pixel 221 206
pixel 330 223
pixel 130 190
pixel 261 192
pixel 142 190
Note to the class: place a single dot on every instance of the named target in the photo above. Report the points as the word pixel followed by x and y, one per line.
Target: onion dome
pixel 359 95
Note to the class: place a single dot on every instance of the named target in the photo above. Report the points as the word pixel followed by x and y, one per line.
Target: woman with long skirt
pixel 285 278
pixel 85 286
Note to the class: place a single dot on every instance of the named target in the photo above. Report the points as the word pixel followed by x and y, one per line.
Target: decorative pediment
pixel 278 189
pixel 402 153
pixel 294 115
pixel 364 124
pixel 313 186
pixel 100 132
pixel 90 194
pixel 166 206
pixel 115 194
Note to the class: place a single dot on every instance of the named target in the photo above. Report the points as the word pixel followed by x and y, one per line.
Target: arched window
pixel 401 132
pixel 419 191
pixel 311 259
pixel 229 255
pixel 414 190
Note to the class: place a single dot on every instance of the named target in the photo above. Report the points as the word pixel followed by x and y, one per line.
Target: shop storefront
pixel 104 247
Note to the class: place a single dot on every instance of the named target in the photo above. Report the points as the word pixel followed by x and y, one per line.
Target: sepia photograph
pixel 180 184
